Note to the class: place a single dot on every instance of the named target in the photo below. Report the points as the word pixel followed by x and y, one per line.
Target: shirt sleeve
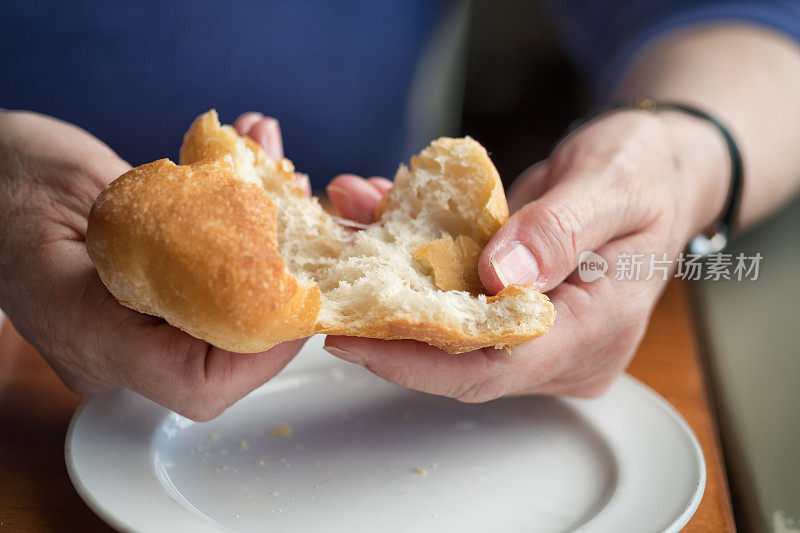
pixel 601 36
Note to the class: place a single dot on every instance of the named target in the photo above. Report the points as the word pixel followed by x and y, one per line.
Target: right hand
pixel 627 181
pixel 50 173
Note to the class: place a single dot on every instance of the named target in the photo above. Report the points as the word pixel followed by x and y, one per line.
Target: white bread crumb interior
pixel 369 274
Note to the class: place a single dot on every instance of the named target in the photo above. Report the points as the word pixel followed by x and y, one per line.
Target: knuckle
pixel 198 398
pixel 198 414
pixel 560 226
pixel 201 409
pixel 488 381
pixel 478 391
pixel 201 414
pixel 205 403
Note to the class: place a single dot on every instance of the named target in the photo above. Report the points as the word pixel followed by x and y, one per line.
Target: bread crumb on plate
pixel 281 430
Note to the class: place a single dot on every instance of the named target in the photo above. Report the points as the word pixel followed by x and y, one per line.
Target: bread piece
pixel 197 246
pixel 227 247
pixel 452 263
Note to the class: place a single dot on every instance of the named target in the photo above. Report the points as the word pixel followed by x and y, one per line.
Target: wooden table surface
pixel 35 408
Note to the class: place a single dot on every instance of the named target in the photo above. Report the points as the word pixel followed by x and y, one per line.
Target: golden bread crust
pixel 449 337
pixel 465 164
pixel 207 138
pixel 197 246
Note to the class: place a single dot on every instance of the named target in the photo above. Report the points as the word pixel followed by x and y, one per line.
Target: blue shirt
pixel 136 73
pixel 335 73
pixel 603 35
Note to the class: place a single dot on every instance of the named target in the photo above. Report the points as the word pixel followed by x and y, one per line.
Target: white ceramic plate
pixel 623 462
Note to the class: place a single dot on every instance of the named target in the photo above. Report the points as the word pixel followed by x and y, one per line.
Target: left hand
pixel 50 173
pixel 627 182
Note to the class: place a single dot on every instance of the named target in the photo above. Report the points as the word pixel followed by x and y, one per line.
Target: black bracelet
pixel 717 238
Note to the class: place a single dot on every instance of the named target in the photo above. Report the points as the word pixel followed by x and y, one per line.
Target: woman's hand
pixel 50 173
pixel 628 182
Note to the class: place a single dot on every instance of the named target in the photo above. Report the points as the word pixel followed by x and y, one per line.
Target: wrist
pixel 705 169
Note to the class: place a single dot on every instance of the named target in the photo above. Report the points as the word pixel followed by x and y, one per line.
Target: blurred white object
pixel 366 455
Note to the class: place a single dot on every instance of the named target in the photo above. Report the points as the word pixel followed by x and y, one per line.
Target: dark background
pixel 521 90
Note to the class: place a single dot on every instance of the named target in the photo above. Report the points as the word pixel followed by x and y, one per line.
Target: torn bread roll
pixel 227 247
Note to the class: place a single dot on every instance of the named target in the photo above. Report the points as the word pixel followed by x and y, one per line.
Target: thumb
pixel 540 244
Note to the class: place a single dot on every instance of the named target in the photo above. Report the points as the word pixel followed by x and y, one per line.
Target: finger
pixel 529 186
pixel 610 317
pixel 471 377
pixel 597 329
pixel 304 182
pixel 382 184
pixel 96 344
pixel 541 242
pixel 622 256
pixel 354 197
pixel 481 375
pixel 191 377
pixel 235 375
pixel 267 133
pixel 246 121
pixel 171 367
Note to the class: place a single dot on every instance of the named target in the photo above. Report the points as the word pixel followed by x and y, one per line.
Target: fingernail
pixel 303 181
pixel 272 131
pixel 272 125
pixel 350 357
pixel 514 263
pixel 344 199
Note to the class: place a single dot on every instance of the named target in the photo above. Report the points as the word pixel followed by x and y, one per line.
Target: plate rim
pixel 120 524
pixel 80 487
pixel 699 491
